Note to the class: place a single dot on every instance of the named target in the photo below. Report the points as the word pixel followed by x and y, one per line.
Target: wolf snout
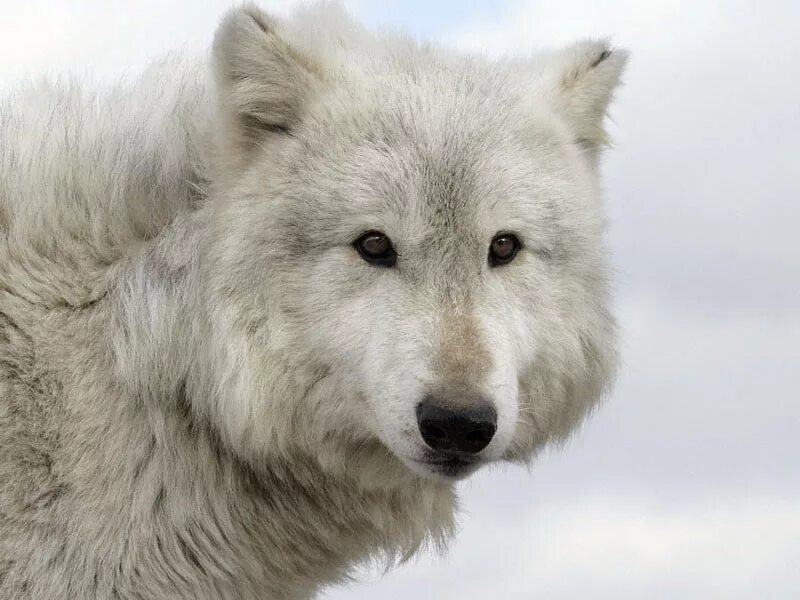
pixel 456 431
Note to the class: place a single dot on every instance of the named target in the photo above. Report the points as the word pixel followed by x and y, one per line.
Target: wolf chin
pixel 257 317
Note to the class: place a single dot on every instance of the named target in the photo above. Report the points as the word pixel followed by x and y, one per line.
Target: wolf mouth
pixel 451 467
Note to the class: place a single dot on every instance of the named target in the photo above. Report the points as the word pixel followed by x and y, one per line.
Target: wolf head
pixel 407 258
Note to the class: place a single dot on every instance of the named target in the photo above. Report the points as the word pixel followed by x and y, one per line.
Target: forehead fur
pixel 425 163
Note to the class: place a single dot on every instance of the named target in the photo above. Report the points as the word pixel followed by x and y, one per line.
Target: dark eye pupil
pixel 376 248
pixel 375 244
pixel 503 249
pixel 503 246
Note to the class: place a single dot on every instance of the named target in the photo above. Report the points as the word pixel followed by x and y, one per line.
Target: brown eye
pixel 376 249
pixel 503 249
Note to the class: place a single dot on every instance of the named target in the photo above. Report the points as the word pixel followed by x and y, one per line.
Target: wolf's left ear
pixel 263 83
pixel 580 82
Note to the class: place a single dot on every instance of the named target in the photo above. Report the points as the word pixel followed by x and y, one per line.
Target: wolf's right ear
pixel 263 83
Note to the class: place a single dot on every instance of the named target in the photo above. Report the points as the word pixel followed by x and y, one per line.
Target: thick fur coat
pixel 204 391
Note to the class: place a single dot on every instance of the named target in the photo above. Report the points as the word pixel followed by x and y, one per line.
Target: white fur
pixel 204 391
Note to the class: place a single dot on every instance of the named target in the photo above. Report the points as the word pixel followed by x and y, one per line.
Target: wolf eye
pixel 376 248
pixel 503 249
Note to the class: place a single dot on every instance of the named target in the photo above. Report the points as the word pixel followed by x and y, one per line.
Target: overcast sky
pixel 686 485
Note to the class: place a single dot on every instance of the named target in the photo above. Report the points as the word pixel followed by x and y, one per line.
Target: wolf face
pixel 407 257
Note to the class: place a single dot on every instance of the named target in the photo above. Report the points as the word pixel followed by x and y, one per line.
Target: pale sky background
pixel 686 485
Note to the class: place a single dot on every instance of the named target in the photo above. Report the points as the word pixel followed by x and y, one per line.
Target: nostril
pixel 480 435
pixel 477 438
pixel 431 431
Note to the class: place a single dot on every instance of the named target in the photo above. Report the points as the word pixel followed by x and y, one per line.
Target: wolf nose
pixel 456 432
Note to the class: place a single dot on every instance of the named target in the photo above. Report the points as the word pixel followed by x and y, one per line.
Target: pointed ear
pixel 581 81
pixel 263 83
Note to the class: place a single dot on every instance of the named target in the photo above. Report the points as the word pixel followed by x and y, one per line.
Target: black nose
pixel 456 432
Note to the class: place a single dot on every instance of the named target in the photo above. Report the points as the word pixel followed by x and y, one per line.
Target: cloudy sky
pixel 687 483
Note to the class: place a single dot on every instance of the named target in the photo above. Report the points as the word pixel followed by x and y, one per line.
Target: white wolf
pixel 255 324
